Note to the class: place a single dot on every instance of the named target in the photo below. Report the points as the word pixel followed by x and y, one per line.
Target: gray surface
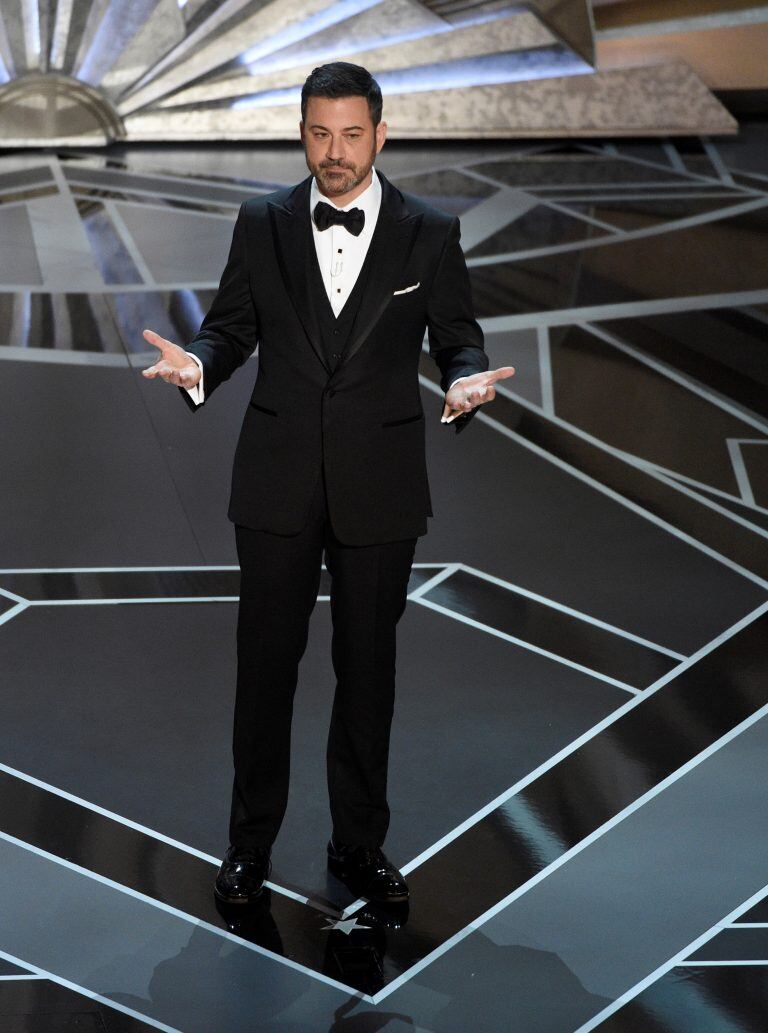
pixel 631 406
pixel 91 484
pixel 149 687
pixel 558 536
pixel 146 959
pixel 518 348
pixel 198 449
pixel 62 245
pixel 613 913
pixel 546 963
pixel 18 259
pixel 179 246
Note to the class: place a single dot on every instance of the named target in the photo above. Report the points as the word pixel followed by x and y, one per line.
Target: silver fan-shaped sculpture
pixel 92 71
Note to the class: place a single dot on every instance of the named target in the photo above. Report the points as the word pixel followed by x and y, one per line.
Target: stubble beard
pixel 335 185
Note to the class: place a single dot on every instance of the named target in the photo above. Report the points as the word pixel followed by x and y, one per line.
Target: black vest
pixel 336 332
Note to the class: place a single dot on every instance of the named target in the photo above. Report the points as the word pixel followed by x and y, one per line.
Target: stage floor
pixel 578 760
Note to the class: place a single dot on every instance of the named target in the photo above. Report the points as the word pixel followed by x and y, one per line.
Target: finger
pixel 499 374
pixel 158 370
pixel 450 412
pixel 165 370
pixel 184 376
pixel 157 340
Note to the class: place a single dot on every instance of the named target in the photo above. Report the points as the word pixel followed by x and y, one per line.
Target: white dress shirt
pixel 340 254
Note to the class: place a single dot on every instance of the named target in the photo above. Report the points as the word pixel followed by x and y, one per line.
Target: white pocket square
pixel 406 289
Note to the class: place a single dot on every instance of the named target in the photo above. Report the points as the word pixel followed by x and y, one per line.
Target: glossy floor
pixel 578 754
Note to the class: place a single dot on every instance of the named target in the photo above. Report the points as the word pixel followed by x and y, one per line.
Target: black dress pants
pixel 280 577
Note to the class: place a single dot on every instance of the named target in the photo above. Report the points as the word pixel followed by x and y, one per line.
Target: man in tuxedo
pixel 335 279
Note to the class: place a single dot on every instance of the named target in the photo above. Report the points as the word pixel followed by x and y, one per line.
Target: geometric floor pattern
pixel 578 755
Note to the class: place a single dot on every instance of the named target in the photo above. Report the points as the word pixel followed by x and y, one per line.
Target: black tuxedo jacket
pixel 362 420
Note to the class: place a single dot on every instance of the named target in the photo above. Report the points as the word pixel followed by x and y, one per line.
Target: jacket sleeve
pixel 197 393
pixel 230 331
pixel 455 338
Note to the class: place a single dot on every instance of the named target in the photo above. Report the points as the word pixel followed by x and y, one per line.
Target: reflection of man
pixel 336 280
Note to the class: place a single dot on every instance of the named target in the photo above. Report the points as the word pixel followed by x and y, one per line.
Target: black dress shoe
pixel 242 874
pixel 367 872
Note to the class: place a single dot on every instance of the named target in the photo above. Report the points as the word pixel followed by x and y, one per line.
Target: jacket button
pixel 331 392
pixel 336 333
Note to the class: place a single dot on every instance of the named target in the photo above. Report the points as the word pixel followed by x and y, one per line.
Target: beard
pixel 335 178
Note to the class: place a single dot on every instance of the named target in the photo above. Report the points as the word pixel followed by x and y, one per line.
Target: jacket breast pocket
pixel 406 290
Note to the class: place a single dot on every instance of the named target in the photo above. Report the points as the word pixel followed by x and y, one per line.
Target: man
pixel 336 280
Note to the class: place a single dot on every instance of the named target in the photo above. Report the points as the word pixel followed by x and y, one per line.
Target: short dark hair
pixel 342 79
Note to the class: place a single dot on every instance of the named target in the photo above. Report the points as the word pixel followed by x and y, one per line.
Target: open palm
pixel 472 391
pixel 173 365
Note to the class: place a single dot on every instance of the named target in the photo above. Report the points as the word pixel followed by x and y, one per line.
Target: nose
pixel 335 151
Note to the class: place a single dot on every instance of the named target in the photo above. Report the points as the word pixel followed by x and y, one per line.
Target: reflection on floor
pixel 578 752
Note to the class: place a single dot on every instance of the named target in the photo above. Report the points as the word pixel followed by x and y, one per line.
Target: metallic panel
pixel 519 32
pixel 121 22
pixel 39 108
pixel 665 100
pixel 571 21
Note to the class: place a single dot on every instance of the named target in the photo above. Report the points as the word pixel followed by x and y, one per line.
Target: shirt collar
pixel 369 200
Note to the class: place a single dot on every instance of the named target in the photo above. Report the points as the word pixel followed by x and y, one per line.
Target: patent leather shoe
pixel 242 874
pixel 367 872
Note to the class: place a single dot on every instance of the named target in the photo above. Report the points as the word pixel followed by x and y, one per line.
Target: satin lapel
pixel 388 252
pixel 295 248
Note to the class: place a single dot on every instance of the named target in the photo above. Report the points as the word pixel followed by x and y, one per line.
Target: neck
pixel 340 200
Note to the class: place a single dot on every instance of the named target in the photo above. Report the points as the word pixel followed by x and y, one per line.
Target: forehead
pixel 338 112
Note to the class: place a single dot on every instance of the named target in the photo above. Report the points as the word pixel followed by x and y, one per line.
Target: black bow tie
pixel 326 215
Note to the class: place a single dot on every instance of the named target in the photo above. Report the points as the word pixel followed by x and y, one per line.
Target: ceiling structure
pixel 89 71
pixel 724 41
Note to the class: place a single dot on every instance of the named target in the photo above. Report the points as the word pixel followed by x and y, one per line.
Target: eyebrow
pixel 316 125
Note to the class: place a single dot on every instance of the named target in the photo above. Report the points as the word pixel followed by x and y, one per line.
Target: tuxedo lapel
pixel 295 249
pixel 389 249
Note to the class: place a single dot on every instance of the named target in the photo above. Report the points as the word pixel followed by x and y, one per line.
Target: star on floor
pixel 345 925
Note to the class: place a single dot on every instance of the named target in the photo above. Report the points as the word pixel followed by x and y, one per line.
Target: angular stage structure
pixel 152 70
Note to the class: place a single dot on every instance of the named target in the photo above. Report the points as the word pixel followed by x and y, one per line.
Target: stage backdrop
pixel 92 71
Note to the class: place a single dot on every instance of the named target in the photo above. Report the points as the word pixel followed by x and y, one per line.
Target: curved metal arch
pixel 37 109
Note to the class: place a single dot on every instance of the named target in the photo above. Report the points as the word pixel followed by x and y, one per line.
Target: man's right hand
pixel 173 365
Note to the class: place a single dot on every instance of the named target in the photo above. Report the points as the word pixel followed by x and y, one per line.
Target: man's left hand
pixel 472 391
